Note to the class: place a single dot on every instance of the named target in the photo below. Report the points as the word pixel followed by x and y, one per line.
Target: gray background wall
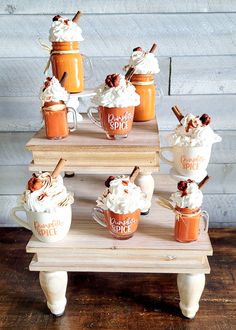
pixel 197 54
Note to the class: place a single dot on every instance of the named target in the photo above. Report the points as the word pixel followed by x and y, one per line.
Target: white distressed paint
pixel 203 75
pixel 176 35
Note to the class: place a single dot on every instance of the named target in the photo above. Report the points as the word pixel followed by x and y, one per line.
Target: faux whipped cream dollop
pixel 199 136
pixel 123 197
pixel 121 96
pixel 192 198
pixel 64 29
pixel 52 91
pixel 49 198
pixel 144 63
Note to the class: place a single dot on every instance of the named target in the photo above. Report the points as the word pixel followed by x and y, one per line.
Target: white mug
pixel 47 227
pixel 188 161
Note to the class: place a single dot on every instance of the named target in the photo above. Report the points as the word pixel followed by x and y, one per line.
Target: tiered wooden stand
pixel 88 246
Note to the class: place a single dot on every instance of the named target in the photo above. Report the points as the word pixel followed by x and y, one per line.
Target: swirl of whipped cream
pixel 121 96
pixel 123 197
pixel 52 196
pixel 193 198
pixel 144 63
pixel 199 136
pixel 65 30
pixel 53 92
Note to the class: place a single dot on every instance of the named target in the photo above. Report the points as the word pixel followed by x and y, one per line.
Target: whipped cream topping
pixel 52 91
pixel 192 198
pixel 122 96
pixel 199 136
pixel 65 30
pixel 144 63
pixel 49 198
pixel 123 197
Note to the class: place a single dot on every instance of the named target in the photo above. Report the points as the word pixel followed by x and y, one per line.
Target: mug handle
pixel 73 111
pixel 160 93
pixel 162 150
pixel 17 219
pixel 92 118
pixel 90 71
pixel 205 218
pixel 98 215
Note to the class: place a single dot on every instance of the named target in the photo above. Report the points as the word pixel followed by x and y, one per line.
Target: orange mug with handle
pixel 65 57
pixel 116 122
pixel 187 224
pixel 145 87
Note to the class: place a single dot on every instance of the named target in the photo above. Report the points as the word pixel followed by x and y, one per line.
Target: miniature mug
pixel 121 226
pixel 187 224
pixel 116 122
pixel 188 161
pixel 47 227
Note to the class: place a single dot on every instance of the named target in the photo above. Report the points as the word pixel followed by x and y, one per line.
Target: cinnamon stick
pixel 57 170
pixel 63 78
pixel 153 48
pixel 177 113
pixel 203 182
pixel 129 73
pixel 77 17
pixel 134 174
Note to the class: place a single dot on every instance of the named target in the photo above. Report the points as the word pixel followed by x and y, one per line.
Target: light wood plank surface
pixel 155 231
pixel 30 75
pixel 114 6
pixel 176 35
pixel 13 152
pixel 143 137
pixel 203 75
pixel 12 108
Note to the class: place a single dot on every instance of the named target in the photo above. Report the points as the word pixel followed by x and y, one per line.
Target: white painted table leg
pixel 146 182
pixel 190 288
pixel 54 286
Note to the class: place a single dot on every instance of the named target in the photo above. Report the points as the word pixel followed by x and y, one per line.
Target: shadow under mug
pixel 116 122
pixel 188 161
pixel 121 226
pixel 188 224
pixel 47 227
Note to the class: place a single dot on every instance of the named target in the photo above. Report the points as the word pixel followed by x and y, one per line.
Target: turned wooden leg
pixel 54 286
pixel 190 288
pixel 146 182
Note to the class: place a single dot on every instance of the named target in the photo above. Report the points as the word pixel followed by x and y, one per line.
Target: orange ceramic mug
pixel 121 226
pixel 65 57
pixel 187 224
pixel 145 87
pixel 55 119
pixel 116 122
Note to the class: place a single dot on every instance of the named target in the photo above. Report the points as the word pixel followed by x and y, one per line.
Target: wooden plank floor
pixel 115 301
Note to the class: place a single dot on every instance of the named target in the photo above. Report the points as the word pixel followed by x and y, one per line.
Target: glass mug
pixel 187 224
pixel 65 57
pixel 56 122
pixel 145 87
pixel 116 122
pixel 47 227
pixel 121 226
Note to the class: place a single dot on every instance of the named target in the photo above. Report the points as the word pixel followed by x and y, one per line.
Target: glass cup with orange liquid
pixel 56 121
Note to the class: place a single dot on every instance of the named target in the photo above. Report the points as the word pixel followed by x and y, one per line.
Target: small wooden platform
pixel 88 151
pixel 89 247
